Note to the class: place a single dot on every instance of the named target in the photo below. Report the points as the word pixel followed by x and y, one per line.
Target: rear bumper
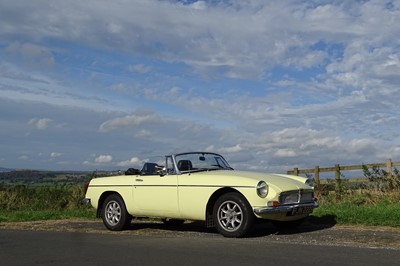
pixel 292 209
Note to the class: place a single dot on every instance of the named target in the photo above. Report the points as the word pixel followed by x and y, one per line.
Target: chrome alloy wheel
pixel 230 216
pixel 113 213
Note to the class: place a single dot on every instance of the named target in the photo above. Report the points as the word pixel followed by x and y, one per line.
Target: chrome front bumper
pixel 291 209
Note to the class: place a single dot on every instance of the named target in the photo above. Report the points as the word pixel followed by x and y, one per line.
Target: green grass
pixel 380 214
pixel 361 207
pixel 30 203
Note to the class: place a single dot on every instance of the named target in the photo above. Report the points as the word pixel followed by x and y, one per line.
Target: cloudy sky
pixel 271 85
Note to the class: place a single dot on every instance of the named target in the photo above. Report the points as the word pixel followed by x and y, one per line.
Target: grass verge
pixel 380 214
pixel 31 203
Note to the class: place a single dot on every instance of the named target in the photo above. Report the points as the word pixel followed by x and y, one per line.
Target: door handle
pixel 139 180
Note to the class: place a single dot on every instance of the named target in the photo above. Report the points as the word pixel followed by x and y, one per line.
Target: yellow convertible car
pixel 201 186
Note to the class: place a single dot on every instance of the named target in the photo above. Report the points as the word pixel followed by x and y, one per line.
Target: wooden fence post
pixel 296 171
pixel 316 179
pixel 389 171
pixel 338 185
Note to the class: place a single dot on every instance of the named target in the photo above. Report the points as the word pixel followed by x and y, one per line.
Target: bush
pixel 381 180
pixel 38 198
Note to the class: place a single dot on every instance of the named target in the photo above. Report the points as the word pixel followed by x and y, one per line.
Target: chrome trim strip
pixel 220 186
pixel 155 186
pixel 284 208
pixel 195 186
pixel 144 185
pixel 111 185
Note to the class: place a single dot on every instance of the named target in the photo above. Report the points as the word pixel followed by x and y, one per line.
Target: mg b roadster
pixel 201 186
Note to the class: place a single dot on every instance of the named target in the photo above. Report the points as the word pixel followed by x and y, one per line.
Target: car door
pixel 156 195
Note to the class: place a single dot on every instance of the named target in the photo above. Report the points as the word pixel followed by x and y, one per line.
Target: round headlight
pixel 262 189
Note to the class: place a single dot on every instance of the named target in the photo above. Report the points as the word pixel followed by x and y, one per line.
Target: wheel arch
pixel 214 197
pixel 102 199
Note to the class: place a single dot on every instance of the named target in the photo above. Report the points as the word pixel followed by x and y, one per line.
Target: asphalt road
pixel 37 247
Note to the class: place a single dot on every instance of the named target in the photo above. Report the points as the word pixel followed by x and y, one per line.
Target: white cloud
pixel 139 68
pixel 23 157
pixel 234 149
pixel 362 146
pixel 40 124
pixel 103 159
pixel 130 163
pixel 285 153
pixel 200 5
pixel 144 134
pixel 55 154
pixel 138 118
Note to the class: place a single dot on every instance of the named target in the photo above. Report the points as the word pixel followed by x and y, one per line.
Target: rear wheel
pixel 233 215
pixel 114 214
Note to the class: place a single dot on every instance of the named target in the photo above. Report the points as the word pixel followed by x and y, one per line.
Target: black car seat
pixel 185 165
pixel 149 169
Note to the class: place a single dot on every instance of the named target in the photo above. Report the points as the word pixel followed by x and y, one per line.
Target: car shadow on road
pixel 188 226
pixel 310 224
pixel 260 228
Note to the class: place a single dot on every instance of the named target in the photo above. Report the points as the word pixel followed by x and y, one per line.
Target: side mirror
pixel 161 170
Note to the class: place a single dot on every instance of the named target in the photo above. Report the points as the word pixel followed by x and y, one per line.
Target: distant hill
pixel 3 170
pixel 27 176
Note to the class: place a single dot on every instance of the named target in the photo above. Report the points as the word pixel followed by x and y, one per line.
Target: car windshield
pixel 200 161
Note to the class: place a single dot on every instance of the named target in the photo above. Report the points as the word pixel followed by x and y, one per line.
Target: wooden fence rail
pixel 337 169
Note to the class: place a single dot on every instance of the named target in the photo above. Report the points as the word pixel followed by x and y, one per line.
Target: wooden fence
pixel 337 170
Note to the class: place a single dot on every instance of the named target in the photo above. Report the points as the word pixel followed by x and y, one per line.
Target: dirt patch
pixel 309 234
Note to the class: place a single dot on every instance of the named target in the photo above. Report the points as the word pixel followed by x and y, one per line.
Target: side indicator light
pixel 273 204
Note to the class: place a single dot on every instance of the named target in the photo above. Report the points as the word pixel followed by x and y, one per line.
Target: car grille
pixel 296 196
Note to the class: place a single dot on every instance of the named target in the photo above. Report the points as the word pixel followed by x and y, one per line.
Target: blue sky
pixel 271 85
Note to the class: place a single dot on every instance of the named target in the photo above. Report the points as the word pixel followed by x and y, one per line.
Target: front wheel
pixel 114 214
pixel 233 215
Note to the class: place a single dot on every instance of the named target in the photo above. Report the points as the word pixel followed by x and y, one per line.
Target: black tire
pixel 172 222
pixel 233 215
pixel 286 226
pixel 114 214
